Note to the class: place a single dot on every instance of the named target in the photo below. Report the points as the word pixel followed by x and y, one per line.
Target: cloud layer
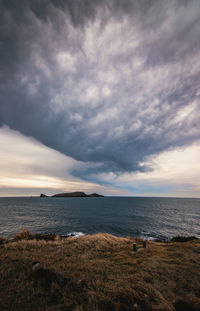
pixel 107 82
pixel 27 168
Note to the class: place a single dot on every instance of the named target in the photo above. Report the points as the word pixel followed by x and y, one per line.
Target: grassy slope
pixel 113 277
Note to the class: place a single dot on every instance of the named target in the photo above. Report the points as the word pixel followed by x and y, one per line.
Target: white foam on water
pixel 75 234
pixel 149 238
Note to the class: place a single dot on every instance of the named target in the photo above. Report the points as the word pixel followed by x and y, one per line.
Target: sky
pixel 100 96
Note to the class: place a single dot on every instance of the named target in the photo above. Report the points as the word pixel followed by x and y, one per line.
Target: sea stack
pixel 42 195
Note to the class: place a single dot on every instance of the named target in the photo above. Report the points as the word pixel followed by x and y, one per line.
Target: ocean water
pixel 150 218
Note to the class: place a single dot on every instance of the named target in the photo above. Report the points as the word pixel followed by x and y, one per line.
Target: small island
pixel 76 194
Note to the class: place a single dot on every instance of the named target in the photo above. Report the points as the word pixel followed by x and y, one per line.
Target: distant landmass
pixel 76 194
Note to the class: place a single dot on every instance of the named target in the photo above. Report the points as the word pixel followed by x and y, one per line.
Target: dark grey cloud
pixel 110 82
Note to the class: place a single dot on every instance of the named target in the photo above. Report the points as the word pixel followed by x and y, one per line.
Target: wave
pixel 73 234
pixel 154 237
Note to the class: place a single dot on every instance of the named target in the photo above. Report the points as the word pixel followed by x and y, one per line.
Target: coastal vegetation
pixel 98 272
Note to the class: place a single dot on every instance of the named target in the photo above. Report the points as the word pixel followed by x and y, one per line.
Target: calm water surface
pixel 122 216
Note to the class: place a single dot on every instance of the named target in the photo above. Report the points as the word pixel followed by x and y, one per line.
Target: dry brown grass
pixel 102 273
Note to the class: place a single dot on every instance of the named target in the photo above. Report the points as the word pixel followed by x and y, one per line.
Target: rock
pixel 46 276
pixel 124 307
pixel 41 275
pixel 3 240
pixel 83 283
pixel 36 266
pixel 95 195
pixel 60 279
pixel 42 195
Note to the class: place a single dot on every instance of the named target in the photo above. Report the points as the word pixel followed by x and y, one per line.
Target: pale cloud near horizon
pixel 28 167
pixel 171 173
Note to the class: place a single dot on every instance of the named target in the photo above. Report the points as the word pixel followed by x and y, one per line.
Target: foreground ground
pixel 99 272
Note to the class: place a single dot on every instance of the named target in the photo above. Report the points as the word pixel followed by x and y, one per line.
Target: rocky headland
pixel 76 194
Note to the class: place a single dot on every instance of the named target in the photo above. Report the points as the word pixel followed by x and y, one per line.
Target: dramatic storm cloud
pixel 28 167
pixel 106 82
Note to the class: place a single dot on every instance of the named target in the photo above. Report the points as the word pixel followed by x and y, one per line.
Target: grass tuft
pixel 3 240
pixel 24 235
pixel 180 238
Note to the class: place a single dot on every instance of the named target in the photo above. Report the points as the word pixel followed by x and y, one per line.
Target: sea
pixel 149 218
